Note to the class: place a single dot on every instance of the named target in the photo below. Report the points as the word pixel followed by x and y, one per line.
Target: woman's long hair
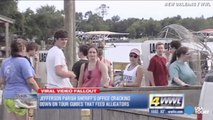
pixel 174 44
pixel 178 52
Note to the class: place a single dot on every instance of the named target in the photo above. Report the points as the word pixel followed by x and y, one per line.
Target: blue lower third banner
pixel 140 101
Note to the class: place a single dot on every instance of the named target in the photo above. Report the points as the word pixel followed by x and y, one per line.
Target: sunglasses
pixel 64 39
pixel 89 75
pixel 133 55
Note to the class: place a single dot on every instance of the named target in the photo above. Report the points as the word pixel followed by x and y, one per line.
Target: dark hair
pixel 16 46
pixel 174 44
pixel 93 46
pixel 60 34
pixel 158 43
pixel 139 61
pixel 32 46
pixel 179 52
pixel 83 49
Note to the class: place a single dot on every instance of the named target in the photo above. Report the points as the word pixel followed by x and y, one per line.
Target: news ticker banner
pixel 93 98
pixel 91 101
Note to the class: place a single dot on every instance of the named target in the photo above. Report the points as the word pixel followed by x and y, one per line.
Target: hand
pixel 36 57
pixel 72 75
pixel 185 85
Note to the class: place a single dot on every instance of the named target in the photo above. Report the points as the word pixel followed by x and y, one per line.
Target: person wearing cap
pixel 58 75
pixel 157 67
pixel 133 73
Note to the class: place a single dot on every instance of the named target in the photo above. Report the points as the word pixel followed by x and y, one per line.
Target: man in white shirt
pixel 58 75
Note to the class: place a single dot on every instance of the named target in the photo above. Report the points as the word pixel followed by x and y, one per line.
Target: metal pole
pixel 69 9
pixel 7 39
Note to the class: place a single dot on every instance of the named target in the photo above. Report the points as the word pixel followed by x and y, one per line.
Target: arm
pixel 59 62
pixel 150 69
pixel 28 74
pixel 151 78
pixel 32 83
pixel 104 74
pixel 139 77
pixel 36 58
pixel 173 73
pixel 110 71
pixel 81 76
pixel 2 81
pixel 2 78
pixel 62 73
pixel 179 82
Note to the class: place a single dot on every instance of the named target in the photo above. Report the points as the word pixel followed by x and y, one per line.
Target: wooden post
pixel 7 39
pixel 69 9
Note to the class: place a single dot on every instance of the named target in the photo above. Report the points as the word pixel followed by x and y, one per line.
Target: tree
pixel 48 20
pixel 9 9
pixel 103 10
pixel 88 14
pixel 115 18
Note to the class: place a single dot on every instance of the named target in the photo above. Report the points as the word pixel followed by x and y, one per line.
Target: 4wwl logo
pixel 166 101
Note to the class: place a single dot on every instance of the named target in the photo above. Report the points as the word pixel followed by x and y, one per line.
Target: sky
pixel 156 9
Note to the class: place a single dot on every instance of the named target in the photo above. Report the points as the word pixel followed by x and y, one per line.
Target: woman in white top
pixel 133 73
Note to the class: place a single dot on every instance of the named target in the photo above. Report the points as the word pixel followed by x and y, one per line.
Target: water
pixel 120 53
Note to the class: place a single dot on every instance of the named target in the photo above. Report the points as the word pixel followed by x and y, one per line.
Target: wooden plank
pixel 47 114
pixel 135 117
pixel 105 114
pixel 96 114
pixel 70 114
pixel 153 118
pixel 143 117
pixel 128 116
pixel 115 115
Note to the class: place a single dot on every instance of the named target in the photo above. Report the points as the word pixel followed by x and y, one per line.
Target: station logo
pixel 166 103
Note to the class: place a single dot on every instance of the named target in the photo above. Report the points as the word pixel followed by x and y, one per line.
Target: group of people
pixel 175 70
pixel 18 76
pixel 18 72
pixel 93 70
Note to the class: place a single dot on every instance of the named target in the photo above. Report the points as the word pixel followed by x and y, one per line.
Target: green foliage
pixel 42 24
pixel 102 10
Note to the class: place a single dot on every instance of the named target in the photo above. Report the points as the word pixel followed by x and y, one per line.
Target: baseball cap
pixel 136 51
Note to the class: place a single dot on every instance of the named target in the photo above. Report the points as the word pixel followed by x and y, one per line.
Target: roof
pixel 206 31
pixel 105 33
pixel 6 19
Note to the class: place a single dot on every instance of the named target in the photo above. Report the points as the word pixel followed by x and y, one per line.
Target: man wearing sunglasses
pixel 157 67
pixel 106 62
